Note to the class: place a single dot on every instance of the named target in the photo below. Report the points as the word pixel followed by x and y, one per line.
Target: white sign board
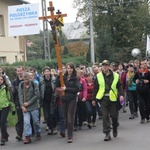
pixel 23 19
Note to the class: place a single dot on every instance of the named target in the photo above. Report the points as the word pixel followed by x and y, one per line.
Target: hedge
pixel 40 64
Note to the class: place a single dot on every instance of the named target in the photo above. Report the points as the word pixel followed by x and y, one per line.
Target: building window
pixel 2 33
pixel 16 58
pixel 2 60
pixel 22 57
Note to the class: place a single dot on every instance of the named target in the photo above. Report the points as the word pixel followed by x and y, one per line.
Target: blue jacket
pixel 132 87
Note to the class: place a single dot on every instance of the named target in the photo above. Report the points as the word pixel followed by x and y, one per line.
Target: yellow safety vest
pixel 113 93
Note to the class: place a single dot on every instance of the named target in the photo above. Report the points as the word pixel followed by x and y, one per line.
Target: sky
pixel 65 6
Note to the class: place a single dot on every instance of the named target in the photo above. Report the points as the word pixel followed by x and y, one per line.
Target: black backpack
pixel 142 88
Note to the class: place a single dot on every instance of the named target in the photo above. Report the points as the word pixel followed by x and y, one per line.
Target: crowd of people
pixel 101 90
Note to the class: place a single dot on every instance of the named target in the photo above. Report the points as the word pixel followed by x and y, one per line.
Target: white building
pixel 76 32
pixel 11 48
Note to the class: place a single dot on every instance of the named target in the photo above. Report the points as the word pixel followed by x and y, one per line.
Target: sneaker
pixel 132 116
pixel 124 111
pixel 89 126
pixel 107 137
pixel 6 140
pixel 38 137
pixel 19 138
pixel 62 134
pixel 70 140
pixel 2 142
pixel 142 121
pixel 27 140
pixel 44 121
pixel 93 124
pixel 136 114
pixel 55 131
pixel 85 123
pixel 127 103
pixel 47 128
pixel 148 121
pixel 49 132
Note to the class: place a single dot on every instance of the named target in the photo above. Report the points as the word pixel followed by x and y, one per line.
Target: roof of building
pixel 75 30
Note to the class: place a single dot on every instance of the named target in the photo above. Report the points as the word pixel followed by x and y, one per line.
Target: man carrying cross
pixel 28 98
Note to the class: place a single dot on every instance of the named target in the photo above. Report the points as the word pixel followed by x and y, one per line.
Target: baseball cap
pixel 113 64
pixel 105 62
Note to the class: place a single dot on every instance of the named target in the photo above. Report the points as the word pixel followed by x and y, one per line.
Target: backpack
pixel 9 89
pixel 32 84
pixel 142 88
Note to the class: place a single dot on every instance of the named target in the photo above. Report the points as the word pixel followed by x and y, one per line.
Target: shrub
pixel 40 64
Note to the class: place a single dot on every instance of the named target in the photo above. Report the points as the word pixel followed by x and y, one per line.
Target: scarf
pixel 146 70
pixel 130 77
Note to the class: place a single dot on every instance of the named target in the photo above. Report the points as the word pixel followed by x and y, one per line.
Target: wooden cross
pixel 57 48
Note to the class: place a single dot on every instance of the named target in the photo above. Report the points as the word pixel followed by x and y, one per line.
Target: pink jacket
pixel 83 92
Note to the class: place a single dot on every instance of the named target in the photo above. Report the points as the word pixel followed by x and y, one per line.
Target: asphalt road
pixel 131 136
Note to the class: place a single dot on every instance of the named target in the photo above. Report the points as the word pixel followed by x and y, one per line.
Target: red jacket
pixel 90 88
pixel 83 92
pixel 122 77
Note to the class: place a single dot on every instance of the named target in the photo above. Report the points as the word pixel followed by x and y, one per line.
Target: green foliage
pixel 65 52
pixel 76 60
pixel 53 53
pixel 40 64
pixel 36 50
pixel 62 39
pixel 37 46
pixel 119 26
pixel 88 58
pixel 10 71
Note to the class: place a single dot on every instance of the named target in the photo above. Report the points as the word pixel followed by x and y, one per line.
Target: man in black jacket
pixel 142 80
pixel 15 84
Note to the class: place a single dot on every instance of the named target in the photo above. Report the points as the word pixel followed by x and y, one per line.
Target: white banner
pixel 23 19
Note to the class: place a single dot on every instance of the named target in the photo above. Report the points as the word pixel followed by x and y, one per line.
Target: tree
pixel 119 26
pixel 65 52
pixel 35 49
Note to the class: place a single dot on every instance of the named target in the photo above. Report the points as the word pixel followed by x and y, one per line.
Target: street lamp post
pixel 91 32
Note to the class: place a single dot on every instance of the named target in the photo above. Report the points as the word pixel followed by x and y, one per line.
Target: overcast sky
pixel 65 6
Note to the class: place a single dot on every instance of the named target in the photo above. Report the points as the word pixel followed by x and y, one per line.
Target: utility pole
pixel 46 33
pixel 91 32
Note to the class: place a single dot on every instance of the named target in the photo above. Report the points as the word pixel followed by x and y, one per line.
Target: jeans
pixel 59 111
pixel 3 120
pixel 91 111
pixel 27 125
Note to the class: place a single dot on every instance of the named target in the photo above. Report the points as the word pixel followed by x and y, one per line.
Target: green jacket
pixel 5 99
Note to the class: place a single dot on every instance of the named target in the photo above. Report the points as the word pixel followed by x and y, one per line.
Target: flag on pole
pixel 148 45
